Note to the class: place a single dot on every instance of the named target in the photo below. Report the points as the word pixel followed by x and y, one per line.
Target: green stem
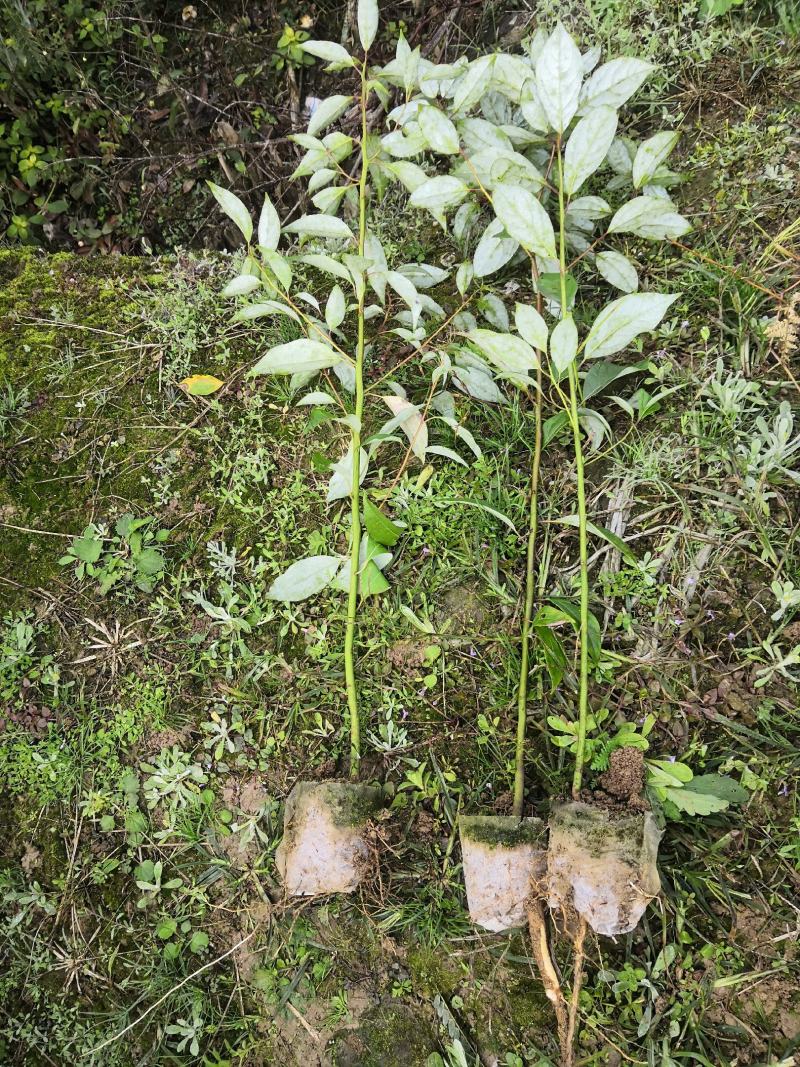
pixel 533 521
pixel 583 540
pixel 355 444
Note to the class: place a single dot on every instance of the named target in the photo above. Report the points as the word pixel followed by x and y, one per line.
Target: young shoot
pixel 338 244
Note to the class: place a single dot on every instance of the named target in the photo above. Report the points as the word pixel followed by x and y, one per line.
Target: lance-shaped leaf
pixel 494 250
pixel 234 209
pixel 588 146
pixel 327 112
pixel 367 19
pixel 531 326
pixel 241 286
pixel 559 73
pixel 335 308
pixel 617 271
pixel 438 130
pixel 472 85
pixel 379 527
pixel 269 226
pixel 512 356
pixel 341 483
pixel 649 217
pixel 264 308
pixel 320 226
pixel 305 578
pixel 614 82
pixel 524 219
pixel 563 344
pixel 329 51
pixel 651 154
pixel 297 357
pixel 478 384
pixel 439 193
pixel 623 319
pixel 409 418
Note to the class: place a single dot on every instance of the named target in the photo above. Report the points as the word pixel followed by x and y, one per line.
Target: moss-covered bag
pixel 324 847
pixel 503 858
pixel 603 865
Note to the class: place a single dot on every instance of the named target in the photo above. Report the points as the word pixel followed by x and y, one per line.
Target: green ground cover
pixel 156 707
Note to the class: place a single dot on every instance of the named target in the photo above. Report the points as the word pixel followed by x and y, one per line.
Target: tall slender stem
pixel 583 541
pixel 530 582
pixel 355 444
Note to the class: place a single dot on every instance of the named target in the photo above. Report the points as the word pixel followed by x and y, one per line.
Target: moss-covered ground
pixel 151 733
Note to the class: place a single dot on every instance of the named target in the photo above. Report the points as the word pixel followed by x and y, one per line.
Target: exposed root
pixel 575 928
pixel 540 947
pixel 577 983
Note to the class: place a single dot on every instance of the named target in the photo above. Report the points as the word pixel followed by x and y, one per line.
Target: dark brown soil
pixel 624 778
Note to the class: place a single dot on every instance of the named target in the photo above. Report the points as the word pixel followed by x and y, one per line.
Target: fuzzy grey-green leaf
pixel 296 357
pixel 623 320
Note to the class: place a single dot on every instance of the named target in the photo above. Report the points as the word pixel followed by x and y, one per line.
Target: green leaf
pixel 438 130
pixel 330 52
pixel 88 548
pixel 600 375
pixel 326 226
pixel 305 578
pixel 166 928
pixel 512 356
pixel 367 19
pixel 438 194
pixel 524 219
pixel 199 941
pixel 297 357
pixel 493 251
pixel 650 155
pixel 269 226
pixel 335 308
pixel 234 209
pixel 719 785
pixel 564 344
pixel 617 271
pixel 550 287
pixel 624 319
pixel 327 112
pixel 614 82
pixel 371 581
pixel 531 326
pixel 588 146
pixel 381 529
pixel 553 426
pixel 241 286
pixel 649 217
pixel 692 803
pixel 666 770
pixel 607 535
pixel 150 561
pixel 559 73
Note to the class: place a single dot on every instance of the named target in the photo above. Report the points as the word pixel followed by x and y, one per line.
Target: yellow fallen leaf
pixel 201 384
